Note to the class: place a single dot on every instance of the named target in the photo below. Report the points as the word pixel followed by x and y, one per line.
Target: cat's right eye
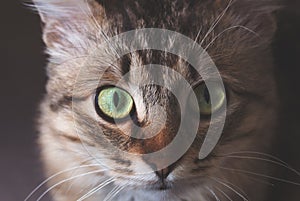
pixel 113 102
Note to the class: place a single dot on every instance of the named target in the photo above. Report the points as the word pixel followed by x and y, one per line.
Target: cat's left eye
pixel 113 102
pixel 204 98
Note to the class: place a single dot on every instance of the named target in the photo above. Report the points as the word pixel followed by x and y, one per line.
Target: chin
pixel 168 189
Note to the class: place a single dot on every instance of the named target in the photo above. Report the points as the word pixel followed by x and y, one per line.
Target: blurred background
pixel 22 83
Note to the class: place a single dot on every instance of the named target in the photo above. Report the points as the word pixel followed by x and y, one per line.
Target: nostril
pixel 164 173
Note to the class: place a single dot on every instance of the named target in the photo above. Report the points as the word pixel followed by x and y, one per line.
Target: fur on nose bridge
pixel 155 143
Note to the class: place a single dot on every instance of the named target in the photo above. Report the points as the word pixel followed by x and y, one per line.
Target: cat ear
pixel 57 9
pixel 67 24
pixel 259 16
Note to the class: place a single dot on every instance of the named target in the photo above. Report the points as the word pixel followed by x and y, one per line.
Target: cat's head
pixel 83 116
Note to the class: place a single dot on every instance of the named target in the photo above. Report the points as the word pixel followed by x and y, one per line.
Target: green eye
pixel 114 102
pixel 204 98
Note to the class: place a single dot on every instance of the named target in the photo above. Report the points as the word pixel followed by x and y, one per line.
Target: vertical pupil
pixel 206 95
pixel 116 99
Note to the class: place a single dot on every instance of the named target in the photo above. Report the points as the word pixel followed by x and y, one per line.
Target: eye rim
pixel 208 115
pixel 106 117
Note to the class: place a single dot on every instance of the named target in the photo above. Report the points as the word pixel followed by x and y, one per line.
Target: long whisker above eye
pixel 57 174
pixel 95 189
pixel 228 29
pixel 69 179
pixel 215 23
pixel 259 175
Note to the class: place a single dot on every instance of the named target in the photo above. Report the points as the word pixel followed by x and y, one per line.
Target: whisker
pixel 113 193
pixel 96 159
pixel 228 29
pixel 235 186
pixel 97 188
pixel 260 180
pixel 55 175
pixel 224 193
pixel 263 159
pixel 258 153
pixel 112 190
pixel 260 175
pixel 216 22
pixel 69 179
pixel 118 192
pixel 229 187
pixel 213 193
pixel 89 159
pixel 197 36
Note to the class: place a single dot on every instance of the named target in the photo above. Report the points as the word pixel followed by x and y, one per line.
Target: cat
pixel 77 121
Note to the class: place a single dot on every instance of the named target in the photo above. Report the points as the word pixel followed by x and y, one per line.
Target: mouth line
pixel 158 185
pixel 162 186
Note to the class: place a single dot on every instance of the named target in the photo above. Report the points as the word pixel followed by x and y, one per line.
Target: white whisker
pixel 260 180
pixel 197 36
pixel 233 185
pixel 265 154
pixel 113 193
pixel 229 187
pixel 55 175
pixel 69 179
pixel 230 28
pixel 267 160
pixel 224 193
pixel 216 22
pixel 213 193
pixel 117 192
pixel 260 175
pixel 97 188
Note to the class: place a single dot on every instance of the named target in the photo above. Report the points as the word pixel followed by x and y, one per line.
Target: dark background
pixel 22 83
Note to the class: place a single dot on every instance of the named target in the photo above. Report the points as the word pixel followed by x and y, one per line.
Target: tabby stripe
pixel 122 161
pixel 65 101
pixel 125 64
pixel 75 139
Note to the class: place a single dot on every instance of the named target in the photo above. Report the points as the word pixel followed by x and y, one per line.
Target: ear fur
pixel 60 9
pixel 262 14
pixel 67 25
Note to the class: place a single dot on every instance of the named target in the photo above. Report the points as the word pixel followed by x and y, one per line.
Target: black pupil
pixel 116 99
pixel 206 95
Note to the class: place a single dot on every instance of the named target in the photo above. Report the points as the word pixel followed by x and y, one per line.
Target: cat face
pixel 83 117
